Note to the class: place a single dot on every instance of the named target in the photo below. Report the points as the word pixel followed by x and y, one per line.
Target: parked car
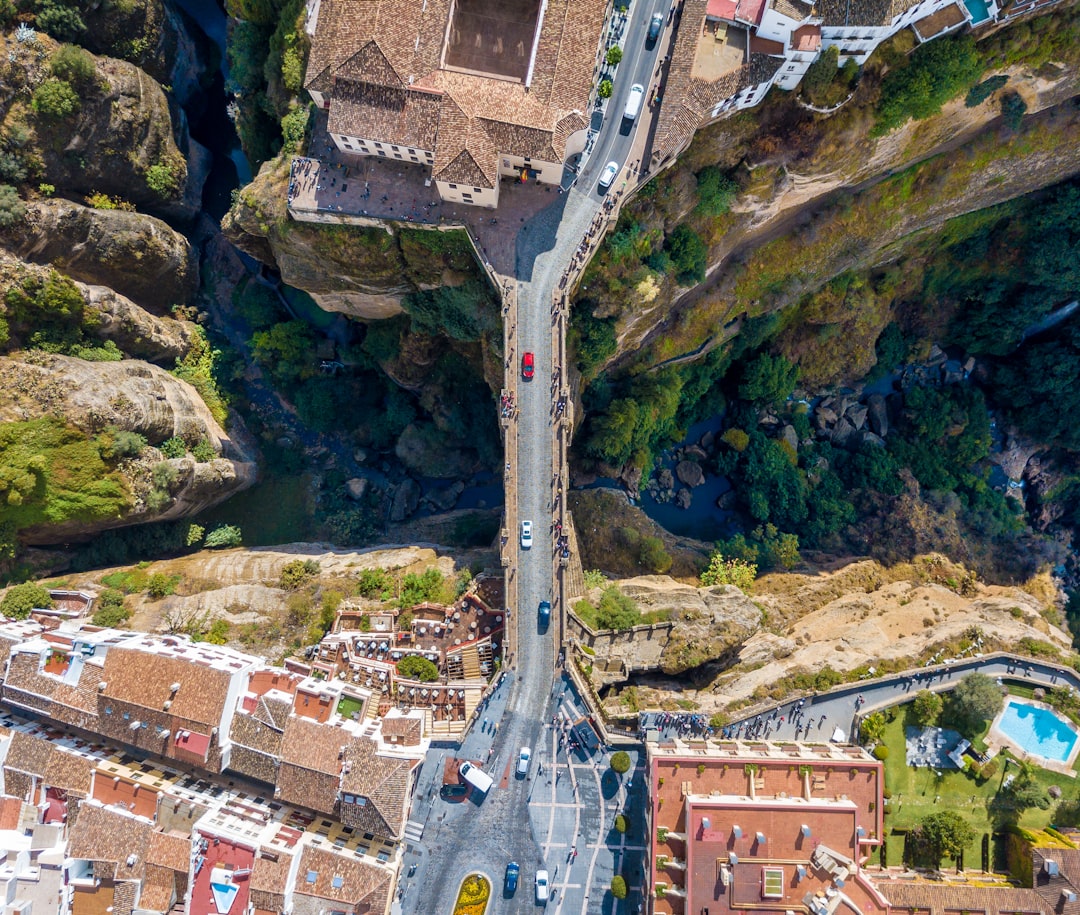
pixel 511 881
pixel 528 366
pixel 544 612
pixel 542 886
pixel 523 762
pixel 608 175
pixel 655 25
pixel 526 534
pixel 453 792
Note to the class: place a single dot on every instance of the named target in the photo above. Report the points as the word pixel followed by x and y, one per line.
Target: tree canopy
pixel 976 699
pixel 21 599
pixel 944 833
pixel 927 707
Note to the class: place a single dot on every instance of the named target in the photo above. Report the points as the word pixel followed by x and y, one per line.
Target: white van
pixel 633 103
pixel 476 777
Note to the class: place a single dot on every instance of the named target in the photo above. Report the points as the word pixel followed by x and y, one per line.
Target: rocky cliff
pixel 136 255
pixel 127 396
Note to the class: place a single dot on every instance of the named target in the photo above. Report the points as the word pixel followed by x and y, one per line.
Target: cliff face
pixel 136 255
pixel 129 396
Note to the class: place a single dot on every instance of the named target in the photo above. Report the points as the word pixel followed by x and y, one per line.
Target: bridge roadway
pixel 468 837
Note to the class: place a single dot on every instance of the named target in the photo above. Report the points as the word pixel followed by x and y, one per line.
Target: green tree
pixel 162 585
pixel 618 887
pixel 296 574
pixel 12 209
pixel 872 727
pixel 109 611
pixel 653 556
pixel 935 72
pixel 417 668
pixel 614 55
pixel 821 73
pixel 926 708
pixel 724 571
pixel 688 254
pixel 56 100
pixel 1013 109
pixel 74 65
pixel 163 178
pixel 945 833
pixel 604 89
pixel 716 192
pixel 980 92
pixel 975 699
pixel 1024 791
pixel 61 21
pixel 223 536
pixel 620 762
pixel 21 599
pixel 768 380
pixel 174 447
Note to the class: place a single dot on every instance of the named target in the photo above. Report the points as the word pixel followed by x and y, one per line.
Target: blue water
pixel 1038 731
pixel 979 9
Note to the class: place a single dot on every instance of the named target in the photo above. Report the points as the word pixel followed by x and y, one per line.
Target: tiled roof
pixel 793 9
pixel 404 727
pixel 23 675
pixel 144 678
pixel 6 644
pixel 849 13
pixel 1052 887
pixel 361 884
pixel 248 731
pixel 10 812
pixel 68 771
pixel 310 771
pixel 383 780
pixel 158 891
pixel 253 764
pixel 937 899
pixel 269 879
pixel 274 712
pixel 397 46
pixel 170 851
pixel 18 784
pixel 28 754
pixel 103 834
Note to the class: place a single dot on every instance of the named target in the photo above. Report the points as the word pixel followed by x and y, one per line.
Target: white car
pixel 608 175
pixel 526 534
pixel 542 886
pixel 523 762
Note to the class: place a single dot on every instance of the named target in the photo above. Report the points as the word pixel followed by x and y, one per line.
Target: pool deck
pixel 996 739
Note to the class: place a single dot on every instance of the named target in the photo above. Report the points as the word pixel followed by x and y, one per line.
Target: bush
pixel 164 475
pixel 162 585
pixel 417 668
pixel 688 255
pixel 653 556
pixel 613 56
pixel 21 599
pixel 110 611
pixel 298 573
pixel 174 447
pixel 715 191
pixel 620 762
pixel 768 380
pixel 926 707
pixel 12 209
pixel 618 887
pixel 222 536
pixel 375 584
pixel 1013 109
pixel 722 571
pixel 621 824
pixel 62 22
pixel 127 444
pixel 55 99
pixel 203 452
pixel 881 752
pixel 163 178
pixel 73 65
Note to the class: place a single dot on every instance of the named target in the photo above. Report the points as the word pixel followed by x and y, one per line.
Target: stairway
pixel 470 662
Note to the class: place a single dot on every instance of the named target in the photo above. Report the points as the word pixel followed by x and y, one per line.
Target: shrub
pixel 653 556
pixel 688 254
pixel 298 573
pixel 174 447
pixel 620 762
pixel 61 21
pixel 55 99
pixel 194 534
pixel 723 571
pixel 162 585
pixel 926 707
pixel 73 65
pixel 222 536
pixel 417 668
pixel 128 444
pixel 980 92
pixel 203 452
pixel 621 824
pixel 715 191
pixel 294 126
pixel 881 752
pixel 21 599
pixel 613 56
pixel 12 209
pixel 110 611
pixel 1013 109
pixel 163 179
pixel 618 887
pixel 164 475
pixel 604 89
pixel 374 583
pixel 768 380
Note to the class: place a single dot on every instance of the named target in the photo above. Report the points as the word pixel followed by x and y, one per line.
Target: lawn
pixel 916 793
pixel 348 705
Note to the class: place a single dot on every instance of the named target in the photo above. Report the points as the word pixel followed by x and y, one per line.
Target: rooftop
pixel 847 13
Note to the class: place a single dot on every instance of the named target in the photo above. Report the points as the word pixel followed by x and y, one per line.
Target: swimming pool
pixel 979 10
pixel 1038 731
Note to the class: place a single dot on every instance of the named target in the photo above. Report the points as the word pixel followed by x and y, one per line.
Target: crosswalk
pixel 414 830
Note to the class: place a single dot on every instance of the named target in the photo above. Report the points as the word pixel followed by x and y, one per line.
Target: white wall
pixel 359 146
pixel 478 197
pixel 547 172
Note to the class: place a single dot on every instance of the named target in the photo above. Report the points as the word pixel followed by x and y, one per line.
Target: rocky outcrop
pixel 132 396
pixel 690 473
pixel 138 333
pixel 139 256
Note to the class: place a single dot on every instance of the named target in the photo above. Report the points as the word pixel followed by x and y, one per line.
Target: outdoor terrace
pixel 222 876
pixel 721 50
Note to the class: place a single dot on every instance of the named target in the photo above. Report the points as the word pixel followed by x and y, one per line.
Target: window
pixel 397 155
pixel 476 190
pixel 126 716
pixel 382 152
pixel 108 709
pixel 378 145
pixel 394 148
pixel 453 187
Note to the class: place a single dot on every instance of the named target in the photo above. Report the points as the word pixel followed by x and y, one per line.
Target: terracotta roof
pixel 848 13
pixel 28 754
pixel 106 835
pixel 158 893
pixel 250 732
pixel 310 771
pixel 143 678
pixel 269 879
pixel 253 764
pixel 937 899
pixel 945 18
pixel 374 58
pixel 402 727
pixel 68 771
pixel 1052 887
pixel 274 712
pixel 383 780
pixel 170 851
pixel 23 676
pixel 793 9
pixel 18 784
pixel 361 884
pixel 10 812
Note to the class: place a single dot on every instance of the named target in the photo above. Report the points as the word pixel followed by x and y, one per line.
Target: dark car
pixel 545 613
pixel 655 25
pixel 454 792
pixel 511 881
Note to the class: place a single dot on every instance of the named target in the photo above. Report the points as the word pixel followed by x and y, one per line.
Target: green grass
pixel 348 705
pixel 917 793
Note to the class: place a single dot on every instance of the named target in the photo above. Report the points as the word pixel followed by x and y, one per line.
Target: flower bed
pixel 473 895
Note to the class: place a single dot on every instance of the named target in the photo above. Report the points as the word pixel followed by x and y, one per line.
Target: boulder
pixel 445 499
pixel 406 498
pixel 357 488
pixel 769 421
pixel 360 455
pixel 683 498
pixel 877 414
pixel 865 437
pixel 695 451
pixel 581 478
pixel 856 415
pixel 666 479
pixel 690 473
pixel 937 356
pixel 842 433
pixel 630 477
pixel 825 415
pixel 727 501
pixel 707 441
pixel 789 435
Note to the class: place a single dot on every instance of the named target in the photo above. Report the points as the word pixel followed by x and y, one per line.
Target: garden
pixel 473 896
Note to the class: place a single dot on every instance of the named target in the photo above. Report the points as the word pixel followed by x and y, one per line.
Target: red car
pixel 527 366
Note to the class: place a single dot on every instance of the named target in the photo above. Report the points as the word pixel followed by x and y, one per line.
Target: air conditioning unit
pixel 174 687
